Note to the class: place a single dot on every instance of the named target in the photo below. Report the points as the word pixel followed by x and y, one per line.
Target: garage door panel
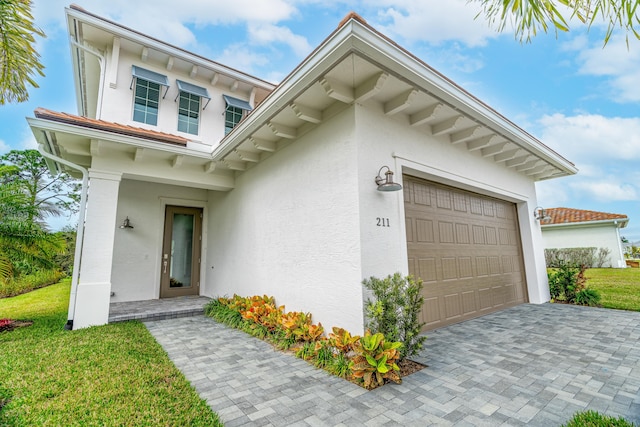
pixel 478 235
pixel 427 270
pixel 462 234
pixel 424 231
pixel 408 226
pixel 469 302
pixel 453 307
pixel 430 314
pixel 490 233
pixel 449 268
pixel 443 198
pixel 494 266
pixel 445 232
pixel 466 249
pixel 484 297
pixel 465 267
pixel 482 266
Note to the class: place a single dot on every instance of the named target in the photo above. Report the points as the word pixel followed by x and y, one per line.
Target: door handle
pixel 164 271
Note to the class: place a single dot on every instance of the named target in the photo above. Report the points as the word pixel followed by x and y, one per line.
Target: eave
pixel 136 158
pixel 356 64
pixel 618 223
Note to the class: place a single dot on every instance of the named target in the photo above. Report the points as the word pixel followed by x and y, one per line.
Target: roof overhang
pixel 135 157
pixel 92 35
pixel 618 223
pixel 358 64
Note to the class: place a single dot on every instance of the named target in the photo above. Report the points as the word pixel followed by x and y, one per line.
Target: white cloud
pixel 434 21
pixel 606 151
pixel 241 57
pixel 169 20
pixel 592 138
pixel 618 62
pixel 607 189
pixel 265 34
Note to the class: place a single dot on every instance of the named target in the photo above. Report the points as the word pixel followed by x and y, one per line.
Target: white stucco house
pixel 235 185
pixel 579 228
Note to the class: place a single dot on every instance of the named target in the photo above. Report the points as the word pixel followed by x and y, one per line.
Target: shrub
pixel 576 257
pixel 568 284
pixel 395 310
pixel 375 360
pixel 595 419
pixel 27 283
pixel 586 296
pixel 370 360
pixel 602 256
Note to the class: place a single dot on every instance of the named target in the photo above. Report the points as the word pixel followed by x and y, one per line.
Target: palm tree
pixel 533 16
pixel 21 239
pixel 19 61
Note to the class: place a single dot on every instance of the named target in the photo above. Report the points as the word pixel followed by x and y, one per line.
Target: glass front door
pixel 180 264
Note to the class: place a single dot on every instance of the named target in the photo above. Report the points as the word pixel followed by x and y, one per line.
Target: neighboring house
pixel 234 185
pixel 577 228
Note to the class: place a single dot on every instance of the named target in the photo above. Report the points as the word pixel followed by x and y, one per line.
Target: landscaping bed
pixel 369 360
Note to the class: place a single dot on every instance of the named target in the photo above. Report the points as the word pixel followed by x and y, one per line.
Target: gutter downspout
pixel 621 261
pixel 101 61
pixel 80 230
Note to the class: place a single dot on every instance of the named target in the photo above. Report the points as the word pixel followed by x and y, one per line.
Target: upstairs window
pixel 189 106
pixel 188 113
pixel 235 111
pixel 146 98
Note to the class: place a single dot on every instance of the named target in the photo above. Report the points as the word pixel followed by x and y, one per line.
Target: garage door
pixel 466 249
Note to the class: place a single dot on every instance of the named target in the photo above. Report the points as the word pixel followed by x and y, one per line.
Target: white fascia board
pixel 53 126
pixel 415 72
pixel 354 37
pixel 316 65
pixel 170 50
pixel 618 223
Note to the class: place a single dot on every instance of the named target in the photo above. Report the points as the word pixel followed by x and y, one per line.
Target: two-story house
pixel 201 179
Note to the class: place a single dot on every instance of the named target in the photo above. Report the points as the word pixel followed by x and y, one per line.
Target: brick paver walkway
pixel 529 365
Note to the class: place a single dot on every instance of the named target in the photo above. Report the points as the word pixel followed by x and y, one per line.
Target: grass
pixel 618 287
pixel 595 419
pixel 112 375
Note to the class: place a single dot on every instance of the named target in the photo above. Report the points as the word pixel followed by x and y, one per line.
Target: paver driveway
pixel 528 365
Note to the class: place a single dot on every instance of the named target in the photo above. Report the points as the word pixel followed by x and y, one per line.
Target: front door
pixel 180 264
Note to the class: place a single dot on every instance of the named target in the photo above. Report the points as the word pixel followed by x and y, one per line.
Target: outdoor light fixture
pixel 386 183
pixel 540 214
pixel 126 224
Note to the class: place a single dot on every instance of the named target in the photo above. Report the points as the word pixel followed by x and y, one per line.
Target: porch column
pixel 94 285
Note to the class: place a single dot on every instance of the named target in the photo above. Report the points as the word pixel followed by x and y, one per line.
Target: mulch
pixel 8 325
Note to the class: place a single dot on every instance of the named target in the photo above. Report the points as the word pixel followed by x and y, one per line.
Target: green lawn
pixel 112 375
pixel 618 287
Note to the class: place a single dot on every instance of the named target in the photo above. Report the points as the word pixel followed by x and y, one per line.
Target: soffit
pixel 357 79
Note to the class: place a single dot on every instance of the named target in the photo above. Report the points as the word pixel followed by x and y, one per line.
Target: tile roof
pixel 43 113
pixel 568 215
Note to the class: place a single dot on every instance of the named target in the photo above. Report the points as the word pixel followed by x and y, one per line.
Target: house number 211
pixel 382 222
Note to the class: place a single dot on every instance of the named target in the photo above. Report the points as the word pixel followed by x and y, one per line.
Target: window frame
pixel 144 107
pixel 191 99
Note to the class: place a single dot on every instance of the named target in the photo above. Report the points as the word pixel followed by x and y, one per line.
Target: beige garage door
pixel 466 248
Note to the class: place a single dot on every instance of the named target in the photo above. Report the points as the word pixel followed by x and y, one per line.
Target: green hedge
pixel 28 283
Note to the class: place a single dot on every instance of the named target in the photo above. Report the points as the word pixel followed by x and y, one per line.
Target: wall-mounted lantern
pixel 386 183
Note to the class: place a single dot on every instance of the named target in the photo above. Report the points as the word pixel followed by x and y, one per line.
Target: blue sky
pixel 577 97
